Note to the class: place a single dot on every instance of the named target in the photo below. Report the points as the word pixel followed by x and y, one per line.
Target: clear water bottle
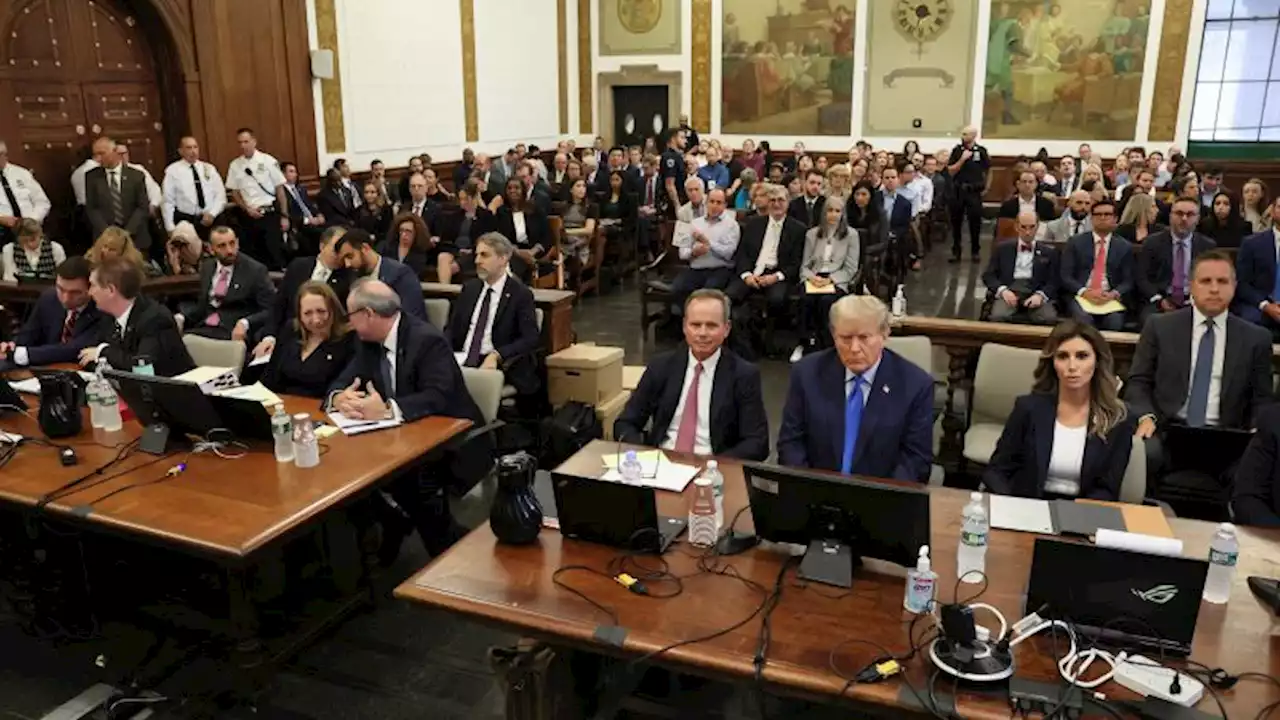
pixel 717 483
pixel 1223 553
pixel 703 530
pixel 630 470
pixel 306 448
pixel 108 407
pixel 282 432
pixel 971 556
pixel 91 392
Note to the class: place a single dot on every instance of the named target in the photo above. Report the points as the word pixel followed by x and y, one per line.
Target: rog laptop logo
pixel 1160 594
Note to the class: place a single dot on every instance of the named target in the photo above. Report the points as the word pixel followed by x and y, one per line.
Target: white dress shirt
pixel 1025 205
pixel 155 196
pixel 486 337
pixel 1024 261
pixel 30 196
pixel 921 194
pixel 180 191
pixel 123 323
pixel 33 259
pixel 868 378
pixel 517 222
pixel 321 272
pixel 1065 459
pixel 259 190
pixel 1219 354
pixel 768 257
pixel 701 436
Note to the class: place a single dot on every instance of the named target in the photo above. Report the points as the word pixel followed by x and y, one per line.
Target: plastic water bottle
pixel 717 483
pixel 1223 553
pixel 91 392
pixel 306 448
pixel 630 470
pixel 108 407
pixel 702 513
pixel 972 554
pixel 899 308
pixel 282 432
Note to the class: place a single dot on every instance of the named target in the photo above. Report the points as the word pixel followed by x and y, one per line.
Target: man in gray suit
pixel 116 194
pixel 1074 221
pixel 236 293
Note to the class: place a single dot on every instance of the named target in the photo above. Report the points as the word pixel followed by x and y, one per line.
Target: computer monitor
pixel 164 405
pixel 841 519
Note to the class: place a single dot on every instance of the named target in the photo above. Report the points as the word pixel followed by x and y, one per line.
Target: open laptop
pixel 1119 597
pixel 1209 450
pixel 611 513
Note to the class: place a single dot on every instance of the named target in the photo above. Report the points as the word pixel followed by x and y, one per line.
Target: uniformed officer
pixel 253 179
pixel 969 166
pixel 20 197
pixel 193 191
pixel 671 167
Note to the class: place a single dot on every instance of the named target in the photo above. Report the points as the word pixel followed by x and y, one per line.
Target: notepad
pixel 1106 308
pixel 256 391
pixel 656 471
pixel 812 289
pixel 649 460
pixel 353 426
pixel 1057 517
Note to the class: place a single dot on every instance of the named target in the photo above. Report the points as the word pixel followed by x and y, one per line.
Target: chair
pixel 485 387
pixel 215 353
pixel 917 349
pixel 508 391
pixel 1003 374
pixel 1133 488
pixel 656 277
pixel 553 279
pixel 437 312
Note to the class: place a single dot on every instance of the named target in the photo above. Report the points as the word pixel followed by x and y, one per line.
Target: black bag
pixel 61 395
pixel 537 681
pixel 567 431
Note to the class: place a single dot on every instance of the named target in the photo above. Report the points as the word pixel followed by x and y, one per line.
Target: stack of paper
pixel 656 471
pixel 256 391
pixel 350 426
pixel 210 379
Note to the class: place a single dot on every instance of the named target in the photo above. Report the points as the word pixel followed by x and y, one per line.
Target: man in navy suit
pixel 1023 275
pixel 859 408
pixel 1258 274
pixel 896 206
pixel 700 398
pixel 359 254
pixel 64 321
pixel 1164 265
pixel 1113 280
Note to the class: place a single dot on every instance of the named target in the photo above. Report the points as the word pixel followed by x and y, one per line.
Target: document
pixel 662 475
pixel 649 460
pixel 256 391
pixel 260 360
pixel 812 289
pixel 352 426
pixel 1021 514
pixel 1106 308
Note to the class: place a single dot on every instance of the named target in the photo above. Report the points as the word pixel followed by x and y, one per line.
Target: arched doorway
pixel 77 69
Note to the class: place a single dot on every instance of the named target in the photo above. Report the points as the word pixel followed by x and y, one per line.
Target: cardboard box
pixel 631 375
pixel 608 411
pixel 587 373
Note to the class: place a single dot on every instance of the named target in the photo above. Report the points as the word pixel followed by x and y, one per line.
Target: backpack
pixel 567 431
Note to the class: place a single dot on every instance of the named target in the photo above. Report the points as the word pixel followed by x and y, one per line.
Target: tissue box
pixel 586 373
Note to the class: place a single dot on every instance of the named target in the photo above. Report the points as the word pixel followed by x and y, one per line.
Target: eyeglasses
pixel 1186 213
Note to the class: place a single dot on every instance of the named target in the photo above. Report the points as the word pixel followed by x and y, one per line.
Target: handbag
pixel 61 395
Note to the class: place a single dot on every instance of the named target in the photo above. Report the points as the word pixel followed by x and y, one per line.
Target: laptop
pixel 1119 597
pixel 611 513
pixel 1210 450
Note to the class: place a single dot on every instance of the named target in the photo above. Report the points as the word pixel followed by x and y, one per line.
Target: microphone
pixel 248 171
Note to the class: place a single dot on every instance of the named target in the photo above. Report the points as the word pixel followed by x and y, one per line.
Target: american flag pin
pixel 886 389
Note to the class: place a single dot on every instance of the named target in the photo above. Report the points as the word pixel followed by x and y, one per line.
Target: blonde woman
pixel 1255 204
pixel 1138 221
pixel 838 183
pixel 116 242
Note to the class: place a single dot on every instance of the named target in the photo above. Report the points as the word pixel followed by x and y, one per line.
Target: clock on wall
pixel 923 20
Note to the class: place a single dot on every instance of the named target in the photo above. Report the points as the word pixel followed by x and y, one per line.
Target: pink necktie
pixel 219 292
pixel 688 431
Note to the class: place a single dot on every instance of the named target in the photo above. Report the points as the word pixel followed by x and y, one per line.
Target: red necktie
pixel 648 197
pixel 1099 266
pixel 69 326
pixel 688 431
pixel 219 292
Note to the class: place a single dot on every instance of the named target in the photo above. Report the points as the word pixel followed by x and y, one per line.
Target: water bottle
pixel 108 407
pixel 91 393
pixel 1223 553
pixel 282 432
pixel 899 308
pixel 702 514
pixel 306 448
pixel 972 554
pixel 717 483
pixel 630 470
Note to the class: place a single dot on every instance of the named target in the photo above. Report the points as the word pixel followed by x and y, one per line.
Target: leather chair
pixel 215 353
pixel 916 348
pixel 1003 374
pixel 437 312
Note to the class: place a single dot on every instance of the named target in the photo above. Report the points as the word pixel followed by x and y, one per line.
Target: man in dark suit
pixel 1258 298
pixel 1164 265
pixel 536 190
pixel 1023 277
pixel 807 208
pixel 1199 365
pixel 459 231
pixel 769 254
pixel 236 293
pixel 327 267
pixel 304 217
pixel 1026 199
pixel 416 204
pixel 138 328
pixel 700 398
pixel 116 194
pixel 1111 280
pixel 404 367
pixel 493 321
pixel 859 408
pixel 359 254
pixel 1256 500
pixel 896 206
pixel 64 321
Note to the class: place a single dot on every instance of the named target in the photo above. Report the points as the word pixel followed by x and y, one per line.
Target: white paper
pixel 349 426
pixel 210 379
pixel 1138 542
pixel 31 385
pixel 670 476
pixel 260 360
pixel 1021 514
pixel 8 437
pixel 256 391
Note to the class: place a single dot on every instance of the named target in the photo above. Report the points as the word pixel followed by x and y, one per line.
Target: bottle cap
pixel 1227 527
pixel 630 455
pixel 712 464
pixel 975 496
pixel 924 564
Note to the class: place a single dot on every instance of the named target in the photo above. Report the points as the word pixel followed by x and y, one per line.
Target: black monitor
pixel 164 405
pixel 841 519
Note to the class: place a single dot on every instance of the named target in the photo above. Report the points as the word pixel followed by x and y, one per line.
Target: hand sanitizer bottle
pixel 899 308
pixel 921 583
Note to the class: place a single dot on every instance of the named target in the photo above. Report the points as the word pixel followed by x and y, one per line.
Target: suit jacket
pixel 296 216
pixel 450 225
pixel 1044 268
pixel 515 329
pixel 1060 230
pixel 1077 264
pixel 738 422
pixel 1256 269
pixel 150 331
pixel 1155 263
pixel 295 274
pixel 900 218
pixel 135 203
pixel 790 246
pixel 1045 210
pixel 428 380
pixel 429 212
pixel 848 247
pixel 288 374
pixel 1020 464
pixel 1256 498
pixel 41 334
pixel 406 284
pixel 337 211
pixel 1160 377
pixel 799 210
pixel 537 230
pixel 895 439
pixel 250 295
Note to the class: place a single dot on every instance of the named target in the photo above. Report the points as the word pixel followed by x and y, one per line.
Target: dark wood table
pixel 556 306
pixel 511 588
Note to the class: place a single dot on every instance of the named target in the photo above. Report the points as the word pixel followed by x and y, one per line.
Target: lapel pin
pixel 886 389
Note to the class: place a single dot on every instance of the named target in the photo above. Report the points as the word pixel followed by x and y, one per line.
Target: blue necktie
pixel 306 211
pixel 1198 401
pixel 852 421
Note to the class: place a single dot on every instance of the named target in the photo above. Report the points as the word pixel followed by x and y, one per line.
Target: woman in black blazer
pixel 1225 222
pixel 333 204
pixel 374 216
pixel 526 228
pixel 1070 437
pixel 409 243
pixel 315 350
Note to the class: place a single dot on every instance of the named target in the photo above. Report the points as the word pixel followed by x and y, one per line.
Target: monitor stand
pixel 155 439
pixel 829 562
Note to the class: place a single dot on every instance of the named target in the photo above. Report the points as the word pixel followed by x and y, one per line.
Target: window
pixel 1237 94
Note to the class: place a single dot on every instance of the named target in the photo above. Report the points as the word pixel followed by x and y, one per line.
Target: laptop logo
pixel 1159 595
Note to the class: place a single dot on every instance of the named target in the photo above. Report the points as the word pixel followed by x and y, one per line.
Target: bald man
pixel 1074 221
pixel 116 194
pixel 1023 276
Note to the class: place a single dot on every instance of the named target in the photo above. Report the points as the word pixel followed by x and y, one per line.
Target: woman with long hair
pixel 1224 222
pixel 1138 221
pixel 32 256
pixel 910 148
pixel 410 244
pixel 374 215
pixel 1256 204
pixel 832 251
pixel 315 349
pixel 1071 436
pixel 863 213
pixel 579 216
pixel 116 242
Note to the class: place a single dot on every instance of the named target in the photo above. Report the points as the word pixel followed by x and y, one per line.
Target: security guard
pixel 193 191
pixel 671 168
pixel 21 197
pixel 969 167
pixel 253 179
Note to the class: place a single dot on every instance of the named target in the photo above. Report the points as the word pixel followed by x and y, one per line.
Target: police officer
pixel 21 197
pixel 253 178
pixel 671 167
pixel 968 166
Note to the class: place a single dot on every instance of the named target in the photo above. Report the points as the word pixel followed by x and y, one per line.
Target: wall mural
pixel 787 67
pixel 1062 69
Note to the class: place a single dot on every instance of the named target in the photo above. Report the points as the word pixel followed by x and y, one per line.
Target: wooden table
pixel 511 587
pixel 556 306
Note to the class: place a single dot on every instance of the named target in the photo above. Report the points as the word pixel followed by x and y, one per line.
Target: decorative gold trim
pixel 700 53
pixel 467 8
pixel 1169 68
pixel 335 124
pixel 562 55
pixel 585 75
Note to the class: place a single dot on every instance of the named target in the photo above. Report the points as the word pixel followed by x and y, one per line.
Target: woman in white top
pixel 1072 435
pixel 1255 204
pixel 32 256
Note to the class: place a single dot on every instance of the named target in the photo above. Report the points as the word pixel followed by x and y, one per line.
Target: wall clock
pixel 922 20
